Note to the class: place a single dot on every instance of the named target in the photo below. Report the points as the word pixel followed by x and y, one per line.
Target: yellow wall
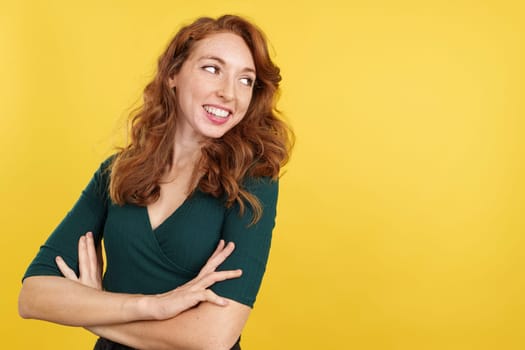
pixel 401 217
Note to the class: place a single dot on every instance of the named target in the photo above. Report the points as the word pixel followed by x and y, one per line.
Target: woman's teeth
pixel 221 113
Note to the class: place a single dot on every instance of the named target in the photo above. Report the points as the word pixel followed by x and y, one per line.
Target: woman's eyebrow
pixel 221 61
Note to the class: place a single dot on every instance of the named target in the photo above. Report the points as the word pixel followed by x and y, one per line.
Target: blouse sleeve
pixel 88 214
pixel 252 243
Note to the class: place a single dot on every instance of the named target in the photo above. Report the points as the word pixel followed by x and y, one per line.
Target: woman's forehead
pixel 226 46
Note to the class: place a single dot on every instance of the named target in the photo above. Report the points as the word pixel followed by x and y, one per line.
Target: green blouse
pixel 146 261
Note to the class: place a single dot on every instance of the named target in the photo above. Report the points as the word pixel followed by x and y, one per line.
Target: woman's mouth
pixel 217 115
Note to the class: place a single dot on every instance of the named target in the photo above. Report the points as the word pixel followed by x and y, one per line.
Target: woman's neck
pixel 186 154
pixel 186 147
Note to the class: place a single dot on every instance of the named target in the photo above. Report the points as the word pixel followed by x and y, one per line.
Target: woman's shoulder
pixel 104 169
pixel 255 184
pixel 106 164
pixel 101 177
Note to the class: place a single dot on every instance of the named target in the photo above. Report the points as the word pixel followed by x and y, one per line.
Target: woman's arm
pixel 60 300
pixel 82 302
pixel 206 326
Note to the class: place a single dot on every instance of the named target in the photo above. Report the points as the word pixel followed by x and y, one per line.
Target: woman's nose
pixel 226 89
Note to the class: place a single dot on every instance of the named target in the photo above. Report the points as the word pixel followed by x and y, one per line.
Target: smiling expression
pixel 214 86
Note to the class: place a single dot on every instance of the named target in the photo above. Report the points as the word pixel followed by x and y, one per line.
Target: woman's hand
pixel 161 306
pixel 190 294
pixel 90 263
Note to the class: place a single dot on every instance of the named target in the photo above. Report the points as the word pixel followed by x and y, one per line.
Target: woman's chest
pixel 184 240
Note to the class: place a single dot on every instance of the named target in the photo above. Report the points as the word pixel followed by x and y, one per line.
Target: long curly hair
pixel 258 146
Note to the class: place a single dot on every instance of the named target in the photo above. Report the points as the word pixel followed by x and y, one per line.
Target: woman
pixel 186 210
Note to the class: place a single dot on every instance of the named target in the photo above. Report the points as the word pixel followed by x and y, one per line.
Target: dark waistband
pixel 106 344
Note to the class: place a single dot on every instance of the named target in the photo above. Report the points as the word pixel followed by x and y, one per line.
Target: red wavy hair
pixel 258 146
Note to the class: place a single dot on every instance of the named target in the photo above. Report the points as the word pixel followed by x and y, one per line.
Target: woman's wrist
pixel 143 307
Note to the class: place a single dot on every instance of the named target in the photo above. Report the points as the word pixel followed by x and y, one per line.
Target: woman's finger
pixel 220 247
pixel 66 270
pixel 92 256
pixel 216 259
pixel 212 278
pixel 223 254
pixel 213 298
pixel 83 260
pixel 208 266
pixel 219 258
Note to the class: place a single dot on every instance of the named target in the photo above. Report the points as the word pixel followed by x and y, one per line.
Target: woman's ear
pixel 172 81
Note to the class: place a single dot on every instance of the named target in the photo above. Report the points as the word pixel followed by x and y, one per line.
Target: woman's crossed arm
pixel 188 317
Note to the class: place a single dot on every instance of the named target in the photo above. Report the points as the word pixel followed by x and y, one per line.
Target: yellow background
pixel 401 216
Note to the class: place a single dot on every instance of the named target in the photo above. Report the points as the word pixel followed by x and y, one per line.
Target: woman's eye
pixel 247 81
pixel 211 69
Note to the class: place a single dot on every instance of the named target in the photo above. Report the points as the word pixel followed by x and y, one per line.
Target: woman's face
pixel 214 86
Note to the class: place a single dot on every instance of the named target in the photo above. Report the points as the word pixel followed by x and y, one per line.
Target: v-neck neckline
pixel 175 212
